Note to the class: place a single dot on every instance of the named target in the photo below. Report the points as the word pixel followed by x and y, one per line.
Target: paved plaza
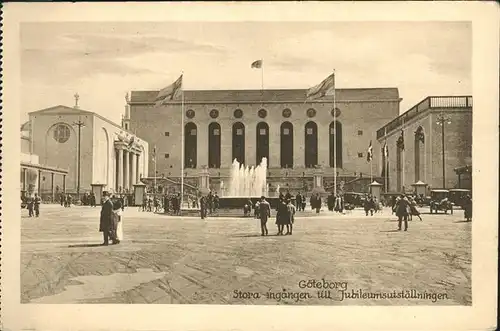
pixel 330 259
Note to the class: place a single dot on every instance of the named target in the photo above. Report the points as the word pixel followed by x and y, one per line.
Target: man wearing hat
pixel 106 221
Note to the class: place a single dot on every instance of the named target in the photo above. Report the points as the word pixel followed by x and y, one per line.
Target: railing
pixel 427 103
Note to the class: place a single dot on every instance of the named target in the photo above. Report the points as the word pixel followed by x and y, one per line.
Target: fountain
pixel 247 183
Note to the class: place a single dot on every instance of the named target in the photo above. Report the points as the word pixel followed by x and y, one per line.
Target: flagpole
pixel 182 144
pixel 334 137
pixel 371 170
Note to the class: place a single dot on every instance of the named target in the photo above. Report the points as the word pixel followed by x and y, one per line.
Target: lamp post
pixel 442 120
pixel 79 124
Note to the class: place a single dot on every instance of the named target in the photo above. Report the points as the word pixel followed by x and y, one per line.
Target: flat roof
pixel 269 95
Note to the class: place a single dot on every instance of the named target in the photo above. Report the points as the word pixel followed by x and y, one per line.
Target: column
pixel 226 145
pixel 126 170
pixel 250 143
pixel 134 170
pixel 52 188
pixel 25 180
pixel 39 189
pixel 201 144
pixel 64 184
pixel 275 145
pixel 298 145
pixel 139 169
pixel 120 169
pixel 324 144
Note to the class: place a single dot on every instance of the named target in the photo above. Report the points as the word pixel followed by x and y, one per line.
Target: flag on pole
pixel 322 88
pixel 385 150
pixel 401 141
pixel 369 155
pixel 256 64
pixel 154 154
pixel 170 92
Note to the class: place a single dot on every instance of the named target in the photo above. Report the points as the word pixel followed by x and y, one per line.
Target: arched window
pixel 214 133
pixel 418 149
pixel 262 141
pixel 311 144
pixel 239 142
pixel 286 133
pixel 190 145
pixel 335 141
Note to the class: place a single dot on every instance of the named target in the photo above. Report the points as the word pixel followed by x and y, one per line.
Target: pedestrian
pixel 106 220
pixel 402 211
pixel 36 203
pixel 318 203
pixel 30 204
pixel 298 201
pixel 467 207
pixel 203 207
pixel 368 205
pixel 281 216
pixel 413 210
pixel 291 217
pixel 264 214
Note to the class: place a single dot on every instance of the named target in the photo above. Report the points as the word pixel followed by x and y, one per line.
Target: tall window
pixel 190 145
pixel 335 140
pixel 214 133
pixel 311 144
pixel 239 142
pixel 286 133
pixel 262 140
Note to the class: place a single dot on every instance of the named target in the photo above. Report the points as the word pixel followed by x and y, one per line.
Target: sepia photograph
pixel 246 162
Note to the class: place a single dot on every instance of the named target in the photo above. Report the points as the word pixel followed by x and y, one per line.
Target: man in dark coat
pixel 106 225
pixel 298 201
pixel 30 205
pixel 331 201
pixel 36 203
pixel 203 207
pixel 402 211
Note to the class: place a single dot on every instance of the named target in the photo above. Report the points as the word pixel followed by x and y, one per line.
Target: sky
pixel 101 61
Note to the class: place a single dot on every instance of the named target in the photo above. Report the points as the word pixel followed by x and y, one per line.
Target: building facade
pixel 101 151
pixel 295 136
pixel 416 144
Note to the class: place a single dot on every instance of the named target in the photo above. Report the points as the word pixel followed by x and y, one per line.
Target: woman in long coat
pixel 282 217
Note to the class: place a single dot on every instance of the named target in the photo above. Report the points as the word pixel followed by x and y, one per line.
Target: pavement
pixel 330 259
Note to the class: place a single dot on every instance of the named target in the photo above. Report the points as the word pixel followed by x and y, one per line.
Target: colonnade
pixel 127 165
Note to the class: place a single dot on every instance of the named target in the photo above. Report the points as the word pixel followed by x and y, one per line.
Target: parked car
pixel 354 198
pixel 457 196
pixel 440 201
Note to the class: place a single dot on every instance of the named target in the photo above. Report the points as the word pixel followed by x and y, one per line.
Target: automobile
pixel 457 196
pixel 440 201
pixel 354 198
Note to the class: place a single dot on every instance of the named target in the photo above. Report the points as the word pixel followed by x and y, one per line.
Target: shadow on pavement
pixel 85 245
pixel 390 231
pixel 464 221
pixel 253 235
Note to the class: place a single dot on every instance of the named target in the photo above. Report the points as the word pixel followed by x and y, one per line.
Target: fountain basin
pixel 239 202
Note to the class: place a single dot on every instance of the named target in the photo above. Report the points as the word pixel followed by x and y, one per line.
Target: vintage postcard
pixel 230 166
